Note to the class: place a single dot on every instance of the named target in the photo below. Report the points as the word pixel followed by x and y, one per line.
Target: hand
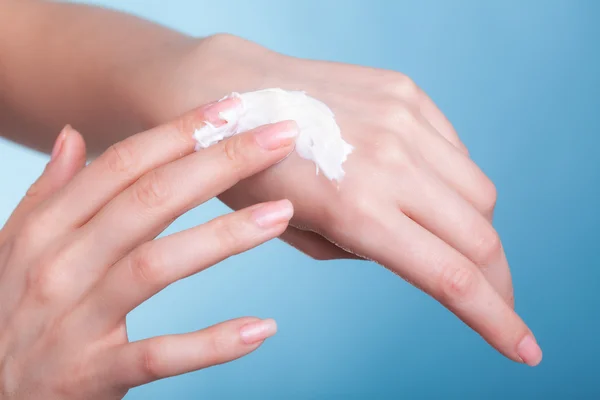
pixel 77 255
pixel 412 199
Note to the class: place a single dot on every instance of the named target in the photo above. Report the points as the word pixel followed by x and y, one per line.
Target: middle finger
pixel 446 214
pixel 143 210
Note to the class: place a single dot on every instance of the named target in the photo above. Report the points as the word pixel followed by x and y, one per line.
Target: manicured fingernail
pixel 529 351
pixel 58 144
pixel 258 331
pixel 273 137
pixel 220 112
pixel 271 214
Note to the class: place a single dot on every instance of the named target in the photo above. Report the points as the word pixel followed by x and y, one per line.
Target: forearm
pixel 82 65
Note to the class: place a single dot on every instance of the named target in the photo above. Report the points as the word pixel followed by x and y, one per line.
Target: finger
pixel 68 158
pixel 152 359
pixel 143 209
pixel 156 264
pixel 430 264
pixel 443 212
pixel 125 162
pixel 457 170
pixel 314 245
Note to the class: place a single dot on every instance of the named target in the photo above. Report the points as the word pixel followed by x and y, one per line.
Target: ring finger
pixel 158 263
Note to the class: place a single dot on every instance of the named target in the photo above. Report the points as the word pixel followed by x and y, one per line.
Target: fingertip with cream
pixel 278 135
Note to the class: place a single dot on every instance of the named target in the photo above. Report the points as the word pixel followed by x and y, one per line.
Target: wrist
pixel 149 88
pixel 196 72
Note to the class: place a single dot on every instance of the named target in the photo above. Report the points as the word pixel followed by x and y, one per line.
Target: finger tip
pixel 74 147
pixel 288 205
pixel 257 332
pixel 529 351
pixel 272 325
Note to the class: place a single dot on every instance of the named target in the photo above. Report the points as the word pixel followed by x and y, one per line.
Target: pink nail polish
pixel 529 351
pixel 255 332
pixel 273 137
pixel 58 144
pixel 272 214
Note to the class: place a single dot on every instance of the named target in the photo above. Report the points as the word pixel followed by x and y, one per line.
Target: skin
pixel 410 182
pixel 65 292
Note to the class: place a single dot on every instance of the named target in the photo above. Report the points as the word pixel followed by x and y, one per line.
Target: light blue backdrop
pixel 520 81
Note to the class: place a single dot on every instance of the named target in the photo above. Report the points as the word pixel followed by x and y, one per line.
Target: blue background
pixel 520 81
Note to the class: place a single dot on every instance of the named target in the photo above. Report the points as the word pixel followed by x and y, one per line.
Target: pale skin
pixel 410 183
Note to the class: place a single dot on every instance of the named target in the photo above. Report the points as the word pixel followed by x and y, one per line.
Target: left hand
pixel 412 199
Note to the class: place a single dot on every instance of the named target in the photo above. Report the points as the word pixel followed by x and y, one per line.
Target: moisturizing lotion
pixel 319 140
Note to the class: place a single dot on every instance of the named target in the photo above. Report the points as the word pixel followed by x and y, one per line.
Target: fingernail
pixel 258 331
pixel 269 215
pixel 273 137
pixel 220 112
pixel 529 351
pixel 58 144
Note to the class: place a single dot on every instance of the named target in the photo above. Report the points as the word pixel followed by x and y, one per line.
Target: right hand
pixel 77 255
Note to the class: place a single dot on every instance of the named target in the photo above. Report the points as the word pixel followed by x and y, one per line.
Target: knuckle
pixel 388 150
pixel 218 345
pixel 215 41
pixel 363 204
pixel 359 208
pixel 35 191
pixel 232 148
pixel 488 248
pixel 489 196
pixel 46 283
pixel 33 230
pixel 182 129
pixel 120 158
pixel 392 151
pixel 29 230
pixel 151 359
pixel 408 117
pixel 66 384
pixel 457 283
pixel 405 88
pixel 145 267
pixel 228 233
pixel 152 190
pixel 397 115
pixel 462 147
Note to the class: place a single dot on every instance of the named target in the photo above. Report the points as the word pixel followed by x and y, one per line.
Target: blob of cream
pixel 319 139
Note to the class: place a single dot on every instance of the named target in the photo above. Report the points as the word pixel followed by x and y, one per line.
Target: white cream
pixel 320 139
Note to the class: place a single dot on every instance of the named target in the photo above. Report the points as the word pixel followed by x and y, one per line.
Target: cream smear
pixel 319 140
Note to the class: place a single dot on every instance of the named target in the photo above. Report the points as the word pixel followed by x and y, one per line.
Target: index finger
pixel 448 276
pixel 125 162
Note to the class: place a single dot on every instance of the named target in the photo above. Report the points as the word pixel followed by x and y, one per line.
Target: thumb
pixel 68 158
